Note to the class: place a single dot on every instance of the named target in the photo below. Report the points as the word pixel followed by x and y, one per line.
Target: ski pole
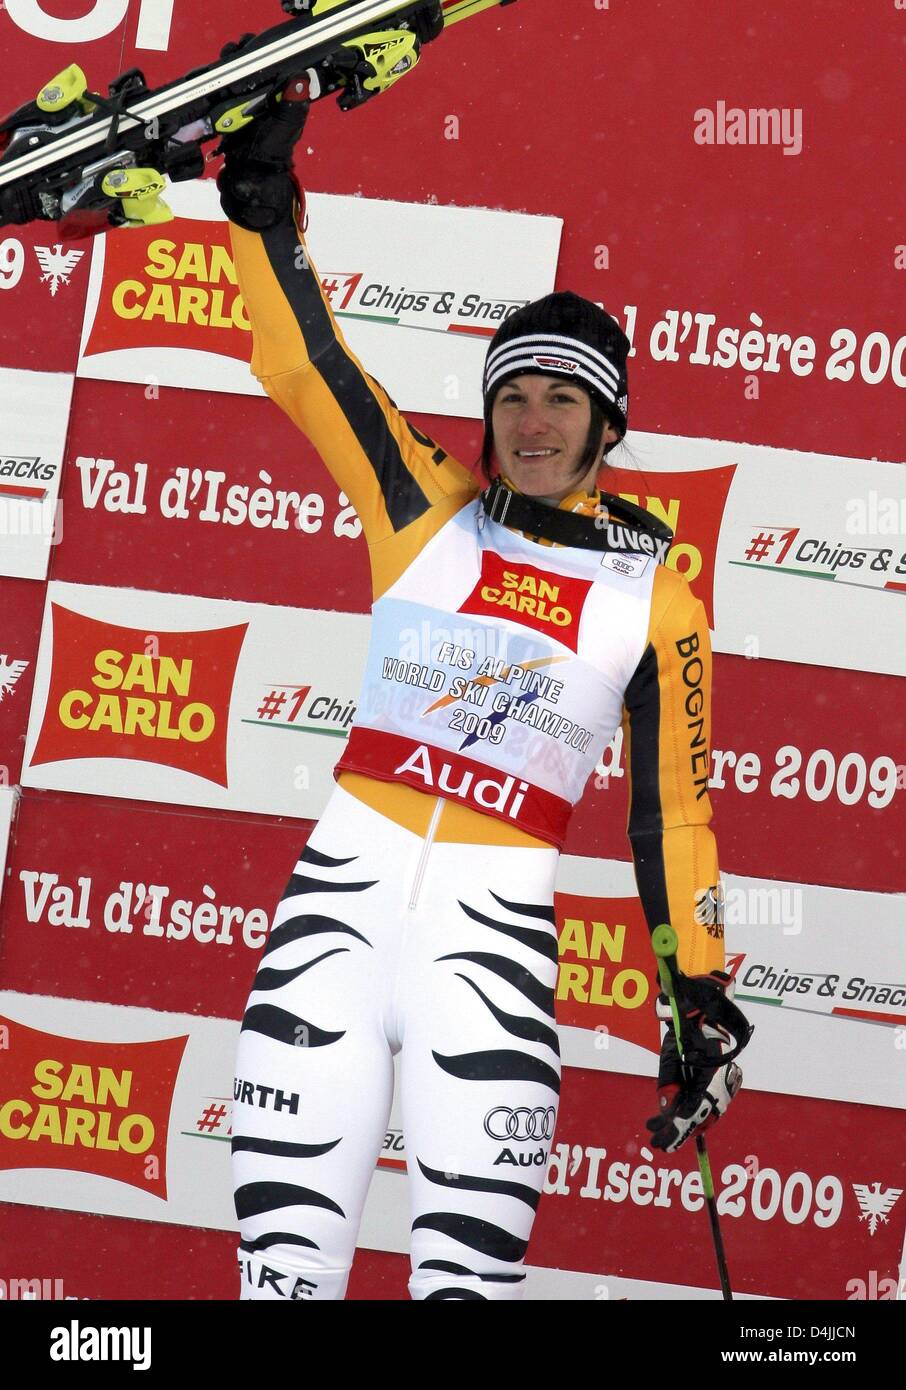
pixel 664 941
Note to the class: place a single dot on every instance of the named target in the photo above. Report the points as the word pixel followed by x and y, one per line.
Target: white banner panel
pixel 190 701
pixel 418 290
pixel 34 416
pixel 156 1089
pixel 821 972
pixel 796 556
pixel 9 796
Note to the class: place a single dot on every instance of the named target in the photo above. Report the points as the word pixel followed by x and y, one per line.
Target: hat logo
pixel 559 364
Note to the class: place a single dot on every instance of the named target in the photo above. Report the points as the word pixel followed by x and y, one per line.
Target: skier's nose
pixel 531 420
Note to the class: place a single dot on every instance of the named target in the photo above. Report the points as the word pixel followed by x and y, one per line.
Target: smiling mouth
pixel 535 455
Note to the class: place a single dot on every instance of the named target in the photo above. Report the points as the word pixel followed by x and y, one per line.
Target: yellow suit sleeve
pixel 667 731
pixel 391 472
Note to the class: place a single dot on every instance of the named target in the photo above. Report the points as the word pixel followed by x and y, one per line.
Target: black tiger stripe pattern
pixel 541 995
pixel 285 1027
pixel 294 928
pixel 482 1236
pixel 301 883
pixel 540 910
pixel 270 1238
pixel 540 941
pixel 278 1148
pixel 256 1198
pixel 310 855
pixel 520 1025
pixel 469 1183
pixel 502 1065
pixel 448 1267
pixel 276 979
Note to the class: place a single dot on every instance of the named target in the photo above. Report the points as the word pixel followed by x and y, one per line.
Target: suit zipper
pixel 423 857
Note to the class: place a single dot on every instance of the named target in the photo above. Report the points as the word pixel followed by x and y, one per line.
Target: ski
pixel 90 161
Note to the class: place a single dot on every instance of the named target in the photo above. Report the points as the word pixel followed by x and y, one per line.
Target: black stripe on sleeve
pixel 403 497
pixel 646 821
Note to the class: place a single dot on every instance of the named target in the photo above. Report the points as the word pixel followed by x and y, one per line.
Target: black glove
pixel 694 1092
pixel 257 185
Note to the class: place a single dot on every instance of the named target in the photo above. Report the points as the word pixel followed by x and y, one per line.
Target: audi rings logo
pixel 521 1124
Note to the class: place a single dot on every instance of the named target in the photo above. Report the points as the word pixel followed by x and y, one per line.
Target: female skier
pixel 419 917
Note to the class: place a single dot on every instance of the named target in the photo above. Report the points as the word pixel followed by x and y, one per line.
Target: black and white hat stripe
pixel 509 355
pixel 534 363
pixel 558 358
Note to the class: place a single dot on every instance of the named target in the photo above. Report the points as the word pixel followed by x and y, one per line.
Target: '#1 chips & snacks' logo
pixel 90 1107
pixel 117 692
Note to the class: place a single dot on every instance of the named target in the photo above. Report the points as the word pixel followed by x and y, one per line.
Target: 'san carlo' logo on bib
pixel 549 603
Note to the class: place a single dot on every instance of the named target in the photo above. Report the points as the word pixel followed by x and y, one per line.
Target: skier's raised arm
pixel 390 472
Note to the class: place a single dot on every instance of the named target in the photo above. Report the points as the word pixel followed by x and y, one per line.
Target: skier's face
pixel 541 426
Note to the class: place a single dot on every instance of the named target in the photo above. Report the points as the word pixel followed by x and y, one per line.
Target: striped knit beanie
pixel 563 335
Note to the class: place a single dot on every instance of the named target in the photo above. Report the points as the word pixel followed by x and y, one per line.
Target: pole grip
pixel 664 942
